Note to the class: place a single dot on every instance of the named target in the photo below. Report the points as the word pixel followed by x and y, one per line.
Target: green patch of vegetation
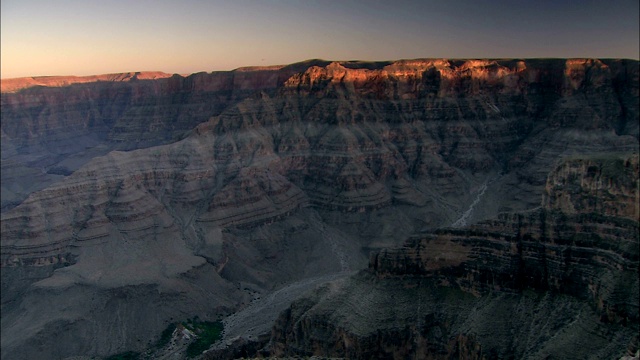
pixel 129 355
pixel 166 335
pixel 208 332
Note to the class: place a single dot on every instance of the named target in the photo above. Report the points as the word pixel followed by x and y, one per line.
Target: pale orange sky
pixel 73 37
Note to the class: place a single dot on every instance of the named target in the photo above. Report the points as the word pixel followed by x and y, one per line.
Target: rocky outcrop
pixel 587 256
pixel 583 241
pixel 606 185
pixel 285 173
pixel 416 301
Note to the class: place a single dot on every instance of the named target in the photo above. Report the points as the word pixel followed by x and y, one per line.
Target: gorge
pixel 428 208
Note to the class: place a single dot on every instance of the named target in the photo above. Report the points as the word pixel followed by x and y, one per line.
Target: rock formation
pixel 548 282
pixel 53 125
pixel 161 199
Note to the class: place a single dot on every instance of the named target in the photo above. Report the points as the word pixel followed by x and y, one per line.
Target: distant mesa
pixel 17 84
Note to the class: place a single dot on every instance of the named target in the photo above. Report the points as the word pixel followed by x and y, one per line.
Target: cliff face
pixel 293 172
pixel 581 263
pixel 53 125
pixel 606 185
pixel 325 139
pixel 365 318
pixel 50 130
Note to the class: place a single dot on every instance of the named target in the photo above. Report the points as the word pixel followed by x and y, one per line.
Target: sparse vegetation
pixel 166 335
pixel 208 332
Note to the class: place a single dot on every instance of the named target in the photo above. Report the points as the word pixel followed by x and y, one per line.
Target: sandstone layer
pixel 196 194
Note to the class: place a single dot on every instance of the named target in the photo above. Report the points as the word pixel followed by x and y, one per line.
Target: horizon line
pixel 279 66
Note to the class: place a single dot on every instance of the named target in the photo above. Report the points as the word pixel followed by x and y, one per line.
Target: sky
pixel 88 37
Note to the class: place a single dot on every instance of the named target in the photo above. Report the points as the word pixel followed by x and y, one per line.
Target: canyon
pixel 499 197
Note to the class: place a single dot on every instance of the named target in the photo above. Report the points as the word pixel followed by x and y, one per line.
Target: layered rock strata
pixel 557 281
pixel 53 125
pixel 452 107
pixel 293 172
pixel 342 162
pixel 366 317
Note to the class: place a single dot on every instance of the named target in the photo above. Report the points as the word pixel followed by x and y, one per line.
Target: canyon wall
pixel 518 285
pixel 53 125
pixel 262 176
